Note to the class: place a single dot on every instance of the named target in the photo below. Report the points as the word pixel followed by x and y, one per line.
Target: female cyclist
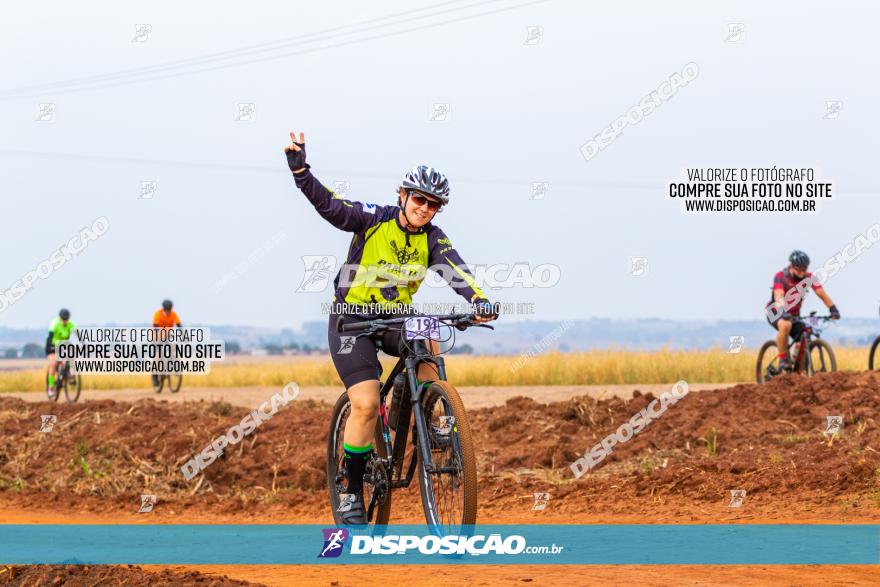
pixel 391 249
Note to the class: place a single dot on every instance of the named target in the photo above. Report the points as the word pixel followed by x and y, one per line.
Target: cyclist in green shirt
pixel 59 330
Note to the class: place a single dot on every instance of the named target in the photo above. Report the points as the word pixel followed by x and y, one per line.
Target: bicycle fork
pixel 423 440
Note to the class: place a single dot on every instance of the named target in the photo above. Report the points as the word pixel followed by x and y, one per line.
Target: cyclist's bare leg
pixel 52 366
pixel 784 327
pixel 364 397
pixel 361 424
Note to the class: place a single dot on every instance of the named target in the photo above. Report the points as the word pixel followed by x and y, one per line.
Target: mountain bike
pixel 174 382
pixel 64 379
pixel 874 357
pixel 811 354
pixel 431 413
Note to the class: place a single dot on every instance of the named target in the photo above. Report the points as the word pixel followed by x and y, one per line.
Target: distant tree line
pixel 31 350
pixel 278 348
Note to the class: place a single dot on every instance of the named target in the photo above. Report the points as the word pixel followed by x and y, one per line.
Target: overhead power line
pixel 204 63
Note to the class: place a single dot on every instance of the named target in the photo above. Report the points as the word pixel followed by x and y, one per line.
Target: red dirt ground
pixel 102 456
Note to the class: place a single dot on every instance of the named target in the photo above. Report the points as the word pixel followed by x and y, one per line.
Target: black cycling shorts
pixel 797 327
pixel 357 360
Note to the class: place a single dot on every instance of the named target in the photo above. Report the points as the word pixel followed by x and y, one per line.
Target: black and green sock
pixel 356 459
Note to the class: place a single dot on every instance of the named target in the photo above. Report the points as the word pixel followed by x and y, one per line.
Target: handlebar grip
pixel 340 327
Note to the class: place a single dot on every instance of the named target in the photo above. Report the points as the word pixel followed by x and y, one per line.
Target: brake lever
pixel 466 323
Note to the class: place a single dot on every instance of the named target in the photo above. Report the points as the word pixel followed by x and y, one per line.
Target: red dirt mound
pixel 767 439
pixel 87 576
pixel 115 452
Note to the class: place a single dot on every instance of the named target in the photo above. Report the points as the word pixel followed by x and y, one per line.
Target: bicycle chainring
pixel 377 477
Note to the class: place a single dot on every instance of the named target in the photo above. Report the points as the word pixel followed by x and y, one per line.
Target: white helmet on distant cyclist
pixel 427 180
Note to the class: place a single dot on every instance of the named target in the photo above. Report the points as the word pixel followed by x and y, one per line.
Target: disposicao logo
pixel 442 545
pixel 334 539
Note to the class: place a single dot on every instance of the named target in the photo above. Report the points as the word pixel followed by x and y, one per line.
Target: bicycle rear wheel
pixel 874 357
pixel 158 382
pixel 822 359
pixel 376 479
pixel 449 493
pixel 768 359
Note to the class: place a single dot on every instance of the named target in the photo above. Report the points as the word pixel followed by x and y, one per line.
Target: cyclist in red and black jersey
pixel 789 288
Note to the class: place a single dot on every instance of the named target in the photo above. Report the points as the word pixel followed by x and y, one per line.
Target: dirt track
pixel 769 442
pixel 474 397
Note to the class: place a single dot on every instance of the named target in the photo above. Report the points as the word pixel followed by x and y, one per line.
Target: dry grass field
pixel 606 367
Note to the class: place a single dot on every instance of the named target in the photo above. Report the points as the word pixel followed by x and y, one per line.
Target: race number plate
pixel 421 328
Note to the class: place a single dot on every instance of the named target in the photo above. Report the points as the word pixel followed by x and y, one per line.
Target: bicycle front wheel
pixel 449 491
pixel 767 362
pixel 822 359
pixel 72 387
pixel 174 383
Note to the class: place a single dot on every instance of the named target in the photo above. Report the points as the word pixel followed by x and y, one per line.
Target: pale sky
pixel 518 114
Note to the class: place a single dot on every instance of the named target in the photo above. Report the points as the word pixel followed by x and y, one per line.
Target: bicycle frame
pixel 62 371
pixel 397 451
pixel 387 471
pixel 810 332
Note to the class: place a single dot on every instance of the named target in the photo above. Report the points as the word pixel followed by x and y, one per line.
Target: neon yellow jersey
pixel 386 263
pixel 61 331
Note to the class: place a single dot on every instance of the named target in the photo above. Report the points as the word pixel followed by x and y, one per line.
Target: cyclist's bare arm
pixel 826 299
pixel 778 297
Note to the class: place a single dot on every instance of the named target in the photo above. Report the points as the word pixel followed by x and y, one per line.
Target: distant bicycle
pixel 873 358
pixel 64 379
pixel 173 381
pixel 810 353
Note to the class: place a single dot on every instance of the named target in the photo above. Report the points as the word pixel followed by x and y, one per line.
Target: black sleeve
pixel 346 215
pixel 457 275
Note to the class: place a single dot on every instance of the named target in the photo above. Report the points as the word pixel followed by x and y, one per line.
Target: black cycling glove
pixel 835 313
pixel 485 309
pixel 297 159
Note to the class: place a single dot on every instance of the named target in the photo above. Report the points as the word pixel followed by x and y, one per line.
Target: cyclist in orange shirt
pixel 165 318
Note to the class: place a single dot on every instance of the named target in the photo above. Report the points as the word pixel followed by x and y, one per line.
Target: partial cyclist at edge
pixel 401 242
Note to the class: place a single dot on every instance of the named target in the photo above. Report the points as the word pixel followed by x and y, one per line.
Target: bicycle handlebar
pixel 340 327
pixel 459 321
pixel 802 319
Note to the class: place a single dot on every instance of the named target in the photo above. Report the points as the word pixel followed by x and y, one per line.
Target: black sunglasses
pixel 420 200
